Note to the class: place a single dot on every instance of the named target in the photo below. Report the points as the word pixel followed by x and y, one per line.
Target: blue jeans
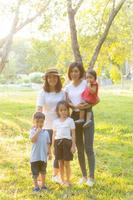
pixel 55 163
pixel 84 142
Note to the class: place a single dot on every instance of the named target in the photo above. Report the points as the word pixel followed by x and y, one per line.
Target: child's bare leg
pixel 55 171
pixel 68 171
pixel 88 116
pixel 43 180
pixel 81 117
pixel 35 182
pixel 82 114
pixel 88 119
pixel 61 168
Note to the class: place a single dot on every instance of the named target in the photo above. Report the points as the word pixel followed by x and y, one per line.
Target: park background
pixel 36 35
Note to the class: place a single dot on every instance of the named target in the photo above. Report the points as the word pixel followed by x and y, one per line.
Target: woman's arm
pixel 88 105
pixel 49 152
pixel 83 106
pixel 35 136
pixel 69 102
pixel 53 137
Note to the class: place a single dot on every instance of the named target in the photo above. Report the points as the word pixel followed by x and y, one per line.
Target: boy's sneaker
pixel 87 124
pixel 36 189
pixel 56 179
pixel 79 121
pixel 82 181
pixel 90 182
pixel 44 188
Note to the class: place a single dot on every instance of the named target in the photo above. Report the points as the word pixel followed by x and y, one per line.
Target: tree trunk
pixel 73 32
pixel 7 46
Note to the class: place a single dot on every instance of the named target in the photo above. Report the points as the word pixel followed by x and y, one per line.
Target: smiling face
pixel 63 111
pixel 52 80
pixel 75 74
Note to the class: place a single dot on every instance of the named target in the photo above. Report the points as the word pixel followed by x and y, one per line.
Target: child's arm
pixel 93 89
pixel 49 152
pixel 35 136
pixel 73 148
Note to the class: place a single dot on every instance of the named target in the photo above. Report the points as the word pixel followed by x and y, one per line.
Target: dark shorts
pixel 38 167
pixel 63 149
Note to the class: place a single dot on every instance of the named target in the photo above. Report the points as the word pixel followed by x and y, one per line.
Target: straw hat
pixel 51 71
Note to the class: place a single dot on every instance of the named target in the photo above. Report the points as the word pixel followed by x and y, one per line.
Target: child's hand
pixel 88 84
pixel 73 148
pixel 39 129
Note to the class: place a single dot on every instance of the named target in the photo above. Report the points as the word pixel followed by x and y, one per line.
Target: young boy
pixel 40 150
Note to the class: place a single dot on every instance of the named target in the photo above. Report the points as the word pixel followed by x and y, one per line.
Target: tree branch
pixel 102 21
pixel 73 32
pixel 113 14
pixel 26 22
pixel 78 6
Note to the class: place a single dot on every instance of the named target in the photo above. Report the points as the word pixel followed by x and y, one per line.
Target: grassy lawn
pixel 113 149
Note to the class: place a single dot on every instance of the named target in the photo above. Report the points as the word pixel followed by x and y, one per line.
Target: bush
pixel 36 77
pixel 3 79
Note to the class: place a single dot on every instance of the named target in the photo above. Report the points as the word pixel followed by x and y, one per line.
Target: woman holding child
pixel 84 135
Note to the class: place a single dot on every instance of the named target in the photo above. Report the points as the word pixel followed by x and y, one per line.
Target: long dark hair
pixel 58 86
pixel 80 68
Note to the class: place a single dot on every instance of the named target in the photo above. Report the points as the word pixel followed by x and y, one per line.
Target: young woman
pixel 84 136
pixel 47 101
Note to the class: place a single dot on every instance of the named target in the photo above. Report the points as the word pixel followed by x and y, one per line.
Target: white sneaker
pixel 56 179
pixel 79 121
pixel 82 181
pixel 90 182
pixel 87 124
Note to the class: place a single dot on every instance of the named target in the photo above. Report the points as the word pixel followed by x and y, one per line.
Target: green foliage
pixel 115 74
pixel 36 77
pixel 54 47
pixel 42 55
pixel 2 79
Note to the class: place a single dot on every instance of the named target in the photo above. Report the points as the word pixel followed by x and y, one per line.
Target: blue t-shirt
pixel 39 151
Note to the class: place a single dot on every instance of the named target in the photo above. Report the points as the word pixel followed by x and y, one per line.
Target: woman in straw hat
pixel 47 100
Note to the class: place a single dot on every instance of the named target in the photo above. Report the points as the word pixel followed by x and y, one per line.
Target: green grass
pixel 113 148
